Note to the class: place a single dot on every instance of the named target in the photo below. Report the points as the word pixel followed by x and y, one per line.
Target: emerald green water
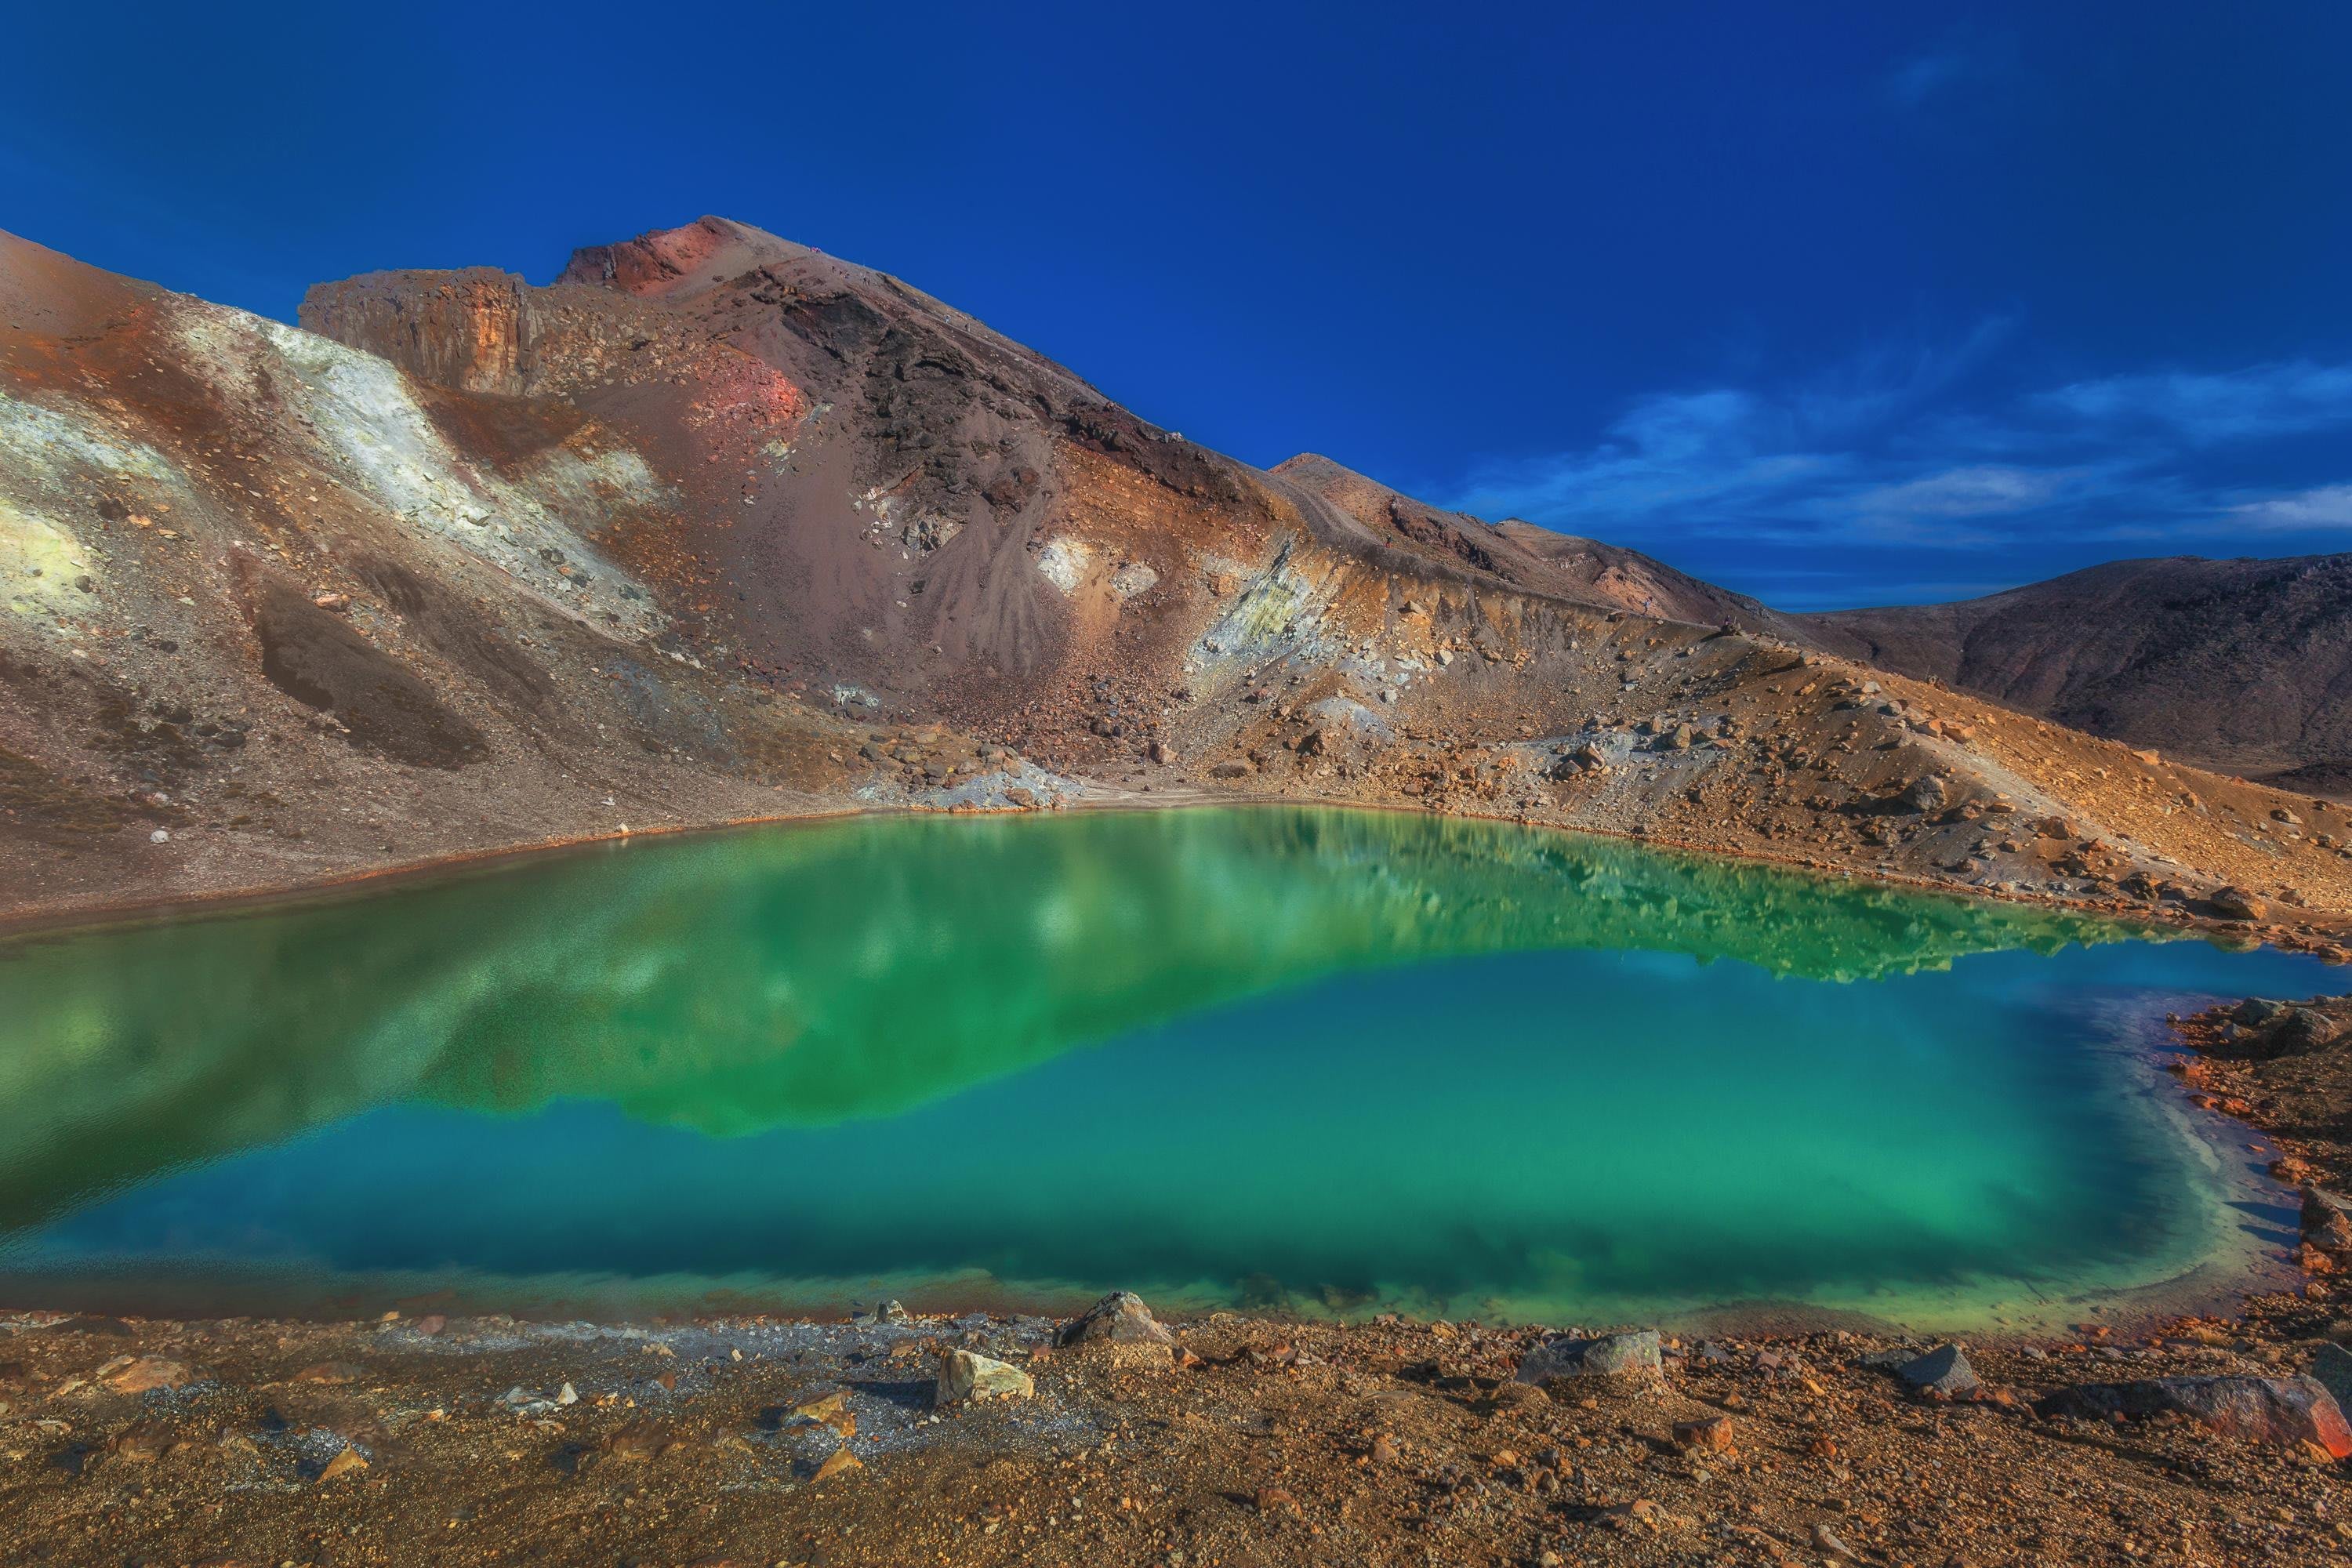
pixel 1309 1060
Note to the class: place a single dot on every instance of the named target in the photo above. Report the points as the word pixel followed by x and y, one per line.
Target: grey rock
pixel 1943 1371
pixel 1926 793
pixel 2300 1034
pixel 1621 1360
pixel 1119 1318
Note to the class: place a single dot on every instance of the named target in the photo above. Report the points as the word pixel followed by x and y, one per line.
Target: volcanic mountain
pixel 717 526
pixel 2246 666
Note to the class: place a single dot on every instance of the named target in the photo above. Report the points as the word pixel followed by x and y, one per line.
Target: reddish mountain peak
pixel 667 263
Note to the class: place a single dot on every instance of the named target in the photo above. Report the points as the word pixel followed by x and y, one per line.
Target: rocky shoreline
pixel 1228 1439
pixel 894 1439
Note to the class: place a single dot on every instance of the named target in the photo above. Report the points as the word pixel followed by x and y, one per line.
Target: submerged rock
pixel 965 1378
pixel 1623 1360
pixel 2281 1410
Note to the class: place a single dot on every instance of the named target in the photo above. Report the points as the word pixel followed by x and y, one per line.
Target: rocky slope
pixel 717 526
pixel 2239 664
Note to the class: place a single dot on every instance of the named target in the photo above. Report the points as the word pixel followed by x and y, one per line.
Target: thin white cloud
pixel 2329 506
pixel 2291 398
pixel 1870 456
pixel 1974 491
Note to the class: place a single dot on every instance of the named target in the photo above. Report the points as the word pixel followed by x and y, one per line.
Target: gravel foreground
pixel 1234 1441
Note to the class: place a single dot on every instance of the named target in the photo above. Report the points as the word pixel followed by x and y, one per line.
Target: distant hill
pixel 1538 559
pixel 2244 665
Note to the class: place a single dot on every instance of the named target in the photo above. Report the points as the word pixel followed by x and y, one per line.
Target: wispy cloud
pixel 1922 77
pixel 1885 453
pixel 1976 491
pixel 2329 506
pixel 2265 401
pixel 1965 62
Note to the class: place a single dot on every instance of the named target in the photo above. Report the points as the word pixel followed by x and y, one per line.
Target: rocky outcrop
pixel 1123 1327
pixel 468 330
pixel 2280 1410
pixel 1622 1361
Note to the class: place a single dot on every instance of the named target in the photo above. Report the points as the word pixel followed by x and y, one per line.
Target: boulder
pixel 1123 1328
pixel 1943 1373
pixel 2287 1411
pixel 1712 1434
pixel 143 1374
pixel 2332 1367
pixel 1927 793
pixel 2235 903
pixel 1120 1318
pixel 2325 1221
pixel 966 1379
pixel 1616 1361
pixel 2300 1034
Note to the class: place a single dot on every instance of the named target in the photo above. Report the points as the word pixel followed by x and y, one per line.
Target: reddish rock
pixel 2287 1411
pixel 1711 1434
pixel 146 1372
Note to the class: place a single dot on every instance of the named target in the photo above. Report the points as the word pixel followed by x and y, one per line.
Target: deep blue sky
pixel 1833 303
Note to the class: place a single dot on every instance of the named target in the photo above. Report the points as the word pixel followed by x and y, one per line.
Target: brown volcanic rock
pixel 466 330
pixel 2240 665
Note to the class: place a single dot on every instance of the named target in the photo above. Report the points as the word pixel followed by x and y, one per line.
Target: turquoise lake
pixel 1310 1061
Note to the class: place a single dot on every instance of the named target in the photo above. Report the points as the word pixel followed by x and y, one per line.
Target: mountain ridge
pixel 477 564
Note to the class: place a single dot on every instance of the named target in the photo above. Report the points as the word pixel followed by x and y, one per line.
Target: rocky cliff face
pixel 467 331
pixel 717 525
